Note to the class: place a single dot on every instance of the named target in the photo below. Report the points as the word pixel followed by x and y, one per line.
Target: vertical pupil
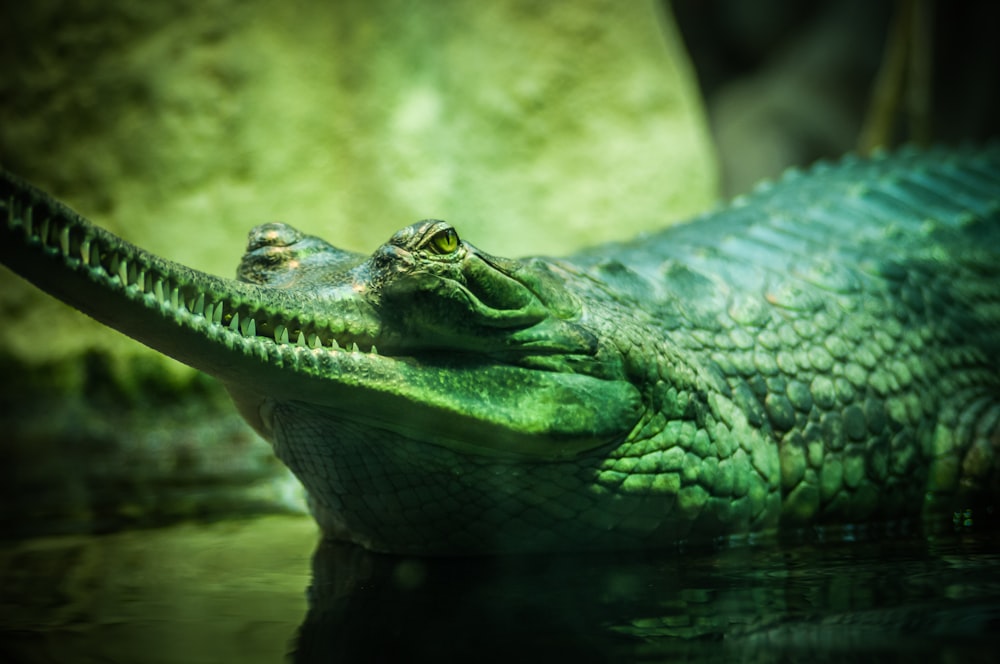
pixel 445 241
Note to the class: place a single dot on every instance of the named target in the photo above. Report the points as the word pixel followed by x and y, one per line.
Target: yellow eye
pixel 444 241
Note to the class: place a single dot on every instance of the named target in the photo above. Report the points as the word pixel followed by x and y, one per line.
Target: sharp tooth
pixel 113 262
pixel 217 314
pixel 234 324
pixel 123 273
pixel 132 274
pixel 95 255
pixel 301 341
pixel 43 230
pixel 374 350
pixel 314 341
pixel 63 239
pixel 85 251
pixel 249 327
pixel 158 290
pixel 281 334
pixel 175 298
pixel 209 312
pixel 354 347
pixel 334 345
pixel 199 305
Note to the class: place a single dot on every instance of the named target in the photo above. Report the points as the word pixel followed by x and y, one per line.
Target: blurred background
pixel 786 83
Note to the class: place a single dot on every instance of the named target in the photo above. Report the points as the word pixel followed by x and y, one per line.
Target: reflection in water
pixel 884 600
pixel 237 592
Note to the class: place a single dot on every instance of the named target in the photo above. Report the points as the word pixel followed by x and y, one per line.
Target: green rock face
pixel 532 127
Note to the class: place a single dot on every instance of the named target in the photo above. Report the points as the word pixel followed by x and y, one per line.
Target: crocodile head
pixel 430 341
pixel 420 359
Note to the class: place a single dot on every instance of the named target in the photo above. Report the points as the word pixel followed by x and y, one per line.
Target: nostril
pixel 274 234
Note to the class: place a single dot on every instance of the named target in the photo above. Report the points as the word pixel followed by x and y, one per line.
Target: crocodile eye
pixel 444 241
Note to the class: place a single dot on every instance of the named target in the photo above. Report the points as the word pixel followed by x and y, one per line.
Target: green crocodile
pixel 824 350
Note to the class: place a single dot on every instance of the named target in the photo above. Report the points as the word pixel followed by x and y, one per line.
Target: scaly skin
pixel 825 350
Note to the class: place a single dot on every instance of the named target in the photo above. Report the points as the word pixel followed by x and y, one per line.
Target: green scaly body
pixel 825 350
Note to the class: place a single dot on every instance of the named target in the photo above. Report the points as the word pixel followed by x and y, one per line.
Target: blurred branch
pixel 903 84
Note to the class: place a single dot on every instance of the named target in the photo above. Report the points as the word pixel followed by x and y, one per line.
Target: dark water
pixel 265 591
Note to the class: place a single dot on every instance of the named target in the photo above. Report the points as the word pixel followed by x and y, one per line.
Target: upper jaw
pixel 411 297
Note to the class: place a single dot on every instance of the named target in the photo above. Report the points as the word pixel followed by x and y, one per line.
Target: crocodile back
pixel 816 227
pixel 852 312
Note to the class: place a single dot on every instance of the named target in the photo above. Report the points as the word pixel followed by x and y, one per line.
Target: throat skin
pixel 820 352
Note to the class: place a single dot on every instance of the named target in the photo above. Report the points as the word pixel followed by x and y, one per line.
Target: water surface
pixel 266 590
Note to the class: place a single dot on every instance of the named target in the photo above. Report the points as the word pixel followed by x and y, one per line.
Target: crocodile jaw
pixel 295 346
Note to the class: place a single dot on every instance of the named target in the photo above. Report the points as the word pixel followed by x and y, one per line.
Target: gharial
pixel 823 350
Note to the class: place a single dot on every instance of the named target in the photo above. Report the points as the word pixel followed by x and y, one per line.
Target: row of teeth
pixel 131 274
